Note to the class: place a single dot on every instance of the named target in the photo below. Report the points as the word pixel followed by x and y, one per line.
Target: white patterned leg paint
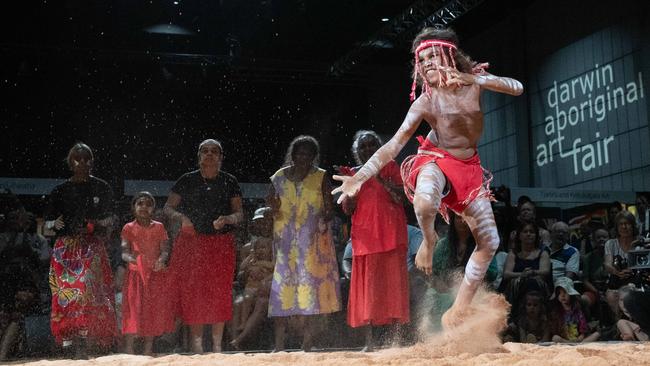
pixel 480 219
pixel 426 201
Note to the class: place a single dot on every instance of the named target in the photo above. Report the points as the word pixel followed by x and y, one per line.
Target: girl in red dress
pixel 379 282
pixel 146 308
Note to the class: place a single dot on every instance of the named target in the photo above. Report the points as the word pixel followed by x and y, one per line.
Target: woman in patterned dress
pixel 83 304
pixel 305 279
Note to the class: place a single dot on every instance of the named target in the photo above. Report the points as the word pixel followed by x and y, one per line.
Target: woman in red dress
pixel 379 282
pixel 83 304
pixel 146 310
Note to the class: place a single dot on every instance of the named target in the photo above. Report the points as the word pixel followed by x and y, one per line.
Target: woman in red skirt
pixel 83 304
pixel 379 283
pixel 208 203
pixel 146 308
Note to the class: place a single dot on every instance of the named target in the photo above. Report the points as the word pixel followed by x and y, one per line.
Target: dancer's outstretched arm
pixel 350 185
pixel 499 84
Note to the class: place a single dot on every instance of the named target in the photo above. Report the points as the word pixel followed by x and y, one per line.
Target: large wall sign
pixel 589 114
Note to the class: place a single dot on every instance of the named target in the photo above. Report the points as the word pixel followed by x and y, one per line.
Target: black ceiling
pixel 317 30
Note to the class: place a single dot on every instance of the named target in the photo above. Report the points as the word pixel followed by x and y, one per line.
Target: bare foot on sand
pixel 453 318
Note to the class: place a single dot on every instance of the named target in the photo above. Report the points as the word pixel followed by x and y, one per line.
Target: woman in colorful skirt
pixel 306 277
pixel 80 275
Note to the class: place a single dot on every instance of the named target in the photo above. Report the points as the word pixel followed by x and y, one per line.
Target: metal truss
pixel 399 31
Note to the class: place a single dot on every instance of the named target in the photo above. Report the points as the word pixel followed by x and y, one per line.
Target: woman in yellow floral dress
pixel 306 277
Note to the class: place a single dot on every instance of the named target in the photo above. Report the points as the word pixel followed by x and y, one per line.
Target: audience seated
pixel 250 307
pixel 635 305
pixel 568 322
pixel 531 324
pixel 565 259
pixel 527 212
pixel 527 266
pixel 20 274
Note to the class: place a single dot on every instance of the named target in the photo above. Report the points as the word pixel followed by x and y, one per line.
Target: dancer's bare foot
pixel 453 318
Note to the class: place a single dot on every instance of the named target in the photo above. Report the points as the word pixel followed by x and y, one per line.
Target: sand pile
pixel 476 342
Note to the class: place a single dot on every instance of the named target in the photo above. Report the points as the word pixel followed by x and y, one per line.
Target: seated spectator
pixel 565 259
pixel 615 259
pixel 527 266
pixel 594 273
pixel 568 322
pixel 531 326
pixel 19 299
pixel 636 307
pixel 613 210
pixel 527 212
pixel 250 308
pixel 642 213
pixel 20 270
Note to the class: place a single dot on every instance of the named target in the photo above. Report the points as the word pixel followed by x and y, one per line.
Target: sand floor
pixel 475 342
pixel 594 354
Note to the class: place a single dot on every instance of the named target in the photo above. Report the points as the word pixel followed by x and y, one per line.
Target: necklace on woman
pixel 207 185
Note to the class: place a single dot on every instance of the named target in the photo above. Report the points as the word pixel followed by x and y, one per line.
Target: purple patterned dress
pixel 306 276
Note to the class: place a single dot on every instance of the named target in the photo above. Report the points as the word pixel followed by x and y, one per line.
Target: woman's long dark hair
pixel 303 141
pixel 637 303
pixel 521 228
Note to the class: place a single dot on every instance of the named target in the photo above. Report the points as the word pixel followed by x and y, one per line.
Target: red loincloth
pixel 466 179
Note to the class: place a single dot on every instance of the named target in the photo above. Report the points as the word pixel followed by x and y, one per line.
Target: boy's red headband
pixel 447 52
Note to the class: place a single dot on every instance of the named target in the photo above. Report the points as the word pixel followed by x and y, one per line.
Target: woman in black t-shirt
pixel 208 203
pixel 80 274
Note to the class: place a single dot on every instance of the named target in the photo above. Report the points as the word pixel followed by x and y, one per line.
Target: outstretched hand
pixel 457 77
pixel 348 189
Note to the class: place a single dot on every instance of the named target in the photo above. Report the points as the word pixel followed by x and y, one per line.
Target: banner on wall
pixel 589 114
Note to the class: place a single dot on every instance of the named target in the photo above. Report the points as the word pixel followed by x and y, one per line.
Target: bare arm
pixel 608 263
pixel 544 264
pixel 499 84
pixel 273 201
pixel 485 80
pixel 165 248
pixel 173 201
pixel 386 153
pixel 127 255
pixel 509 267
pixel 234 218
